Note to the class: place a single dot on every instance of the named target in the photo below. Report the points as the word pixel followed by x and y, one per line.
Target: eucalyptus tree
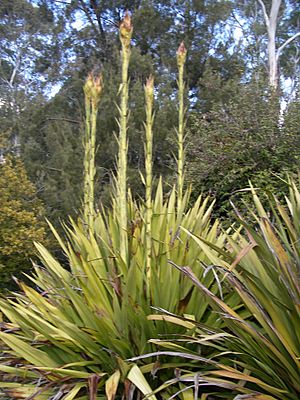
pixel 29 55
pixel 272 20
pixel 270 33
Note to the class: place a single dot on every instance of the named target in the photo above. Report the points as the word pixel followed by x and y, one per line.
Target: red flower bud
pixel 181 54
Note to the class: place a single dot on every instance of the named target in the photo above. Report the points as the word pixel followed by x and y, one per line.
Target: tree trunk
pixel 272 57
pixel 271 24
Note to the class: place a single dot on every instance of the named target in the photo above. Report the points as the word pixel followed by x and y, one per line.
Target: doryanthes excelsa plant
pixel 148 89
pixel 74 336
pixel 126 29
pixel 181 59
pixel 92 93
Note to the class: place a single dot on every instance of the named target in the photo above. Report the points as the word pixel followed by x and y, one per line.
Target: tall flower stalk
pixel 126 29
pixel 92 91
pixel 181 58
pixel 148 89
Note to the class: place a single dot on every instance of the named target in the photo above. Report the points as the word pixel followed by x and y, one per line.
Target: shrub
pixel 21 221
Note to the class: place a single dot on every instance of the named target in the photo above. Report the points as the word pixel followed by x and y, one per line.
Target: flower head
pixel 181 55
pixel 126 29
pixel 93 88
pixel 149 88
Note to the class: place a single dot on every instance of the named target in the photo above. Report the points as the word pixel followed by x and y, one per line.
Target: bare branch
pixel 73 121
pixel 241 26
pixel 266 17
pixel 54 169
pixel 5 81
pixel 288 41
pixel 14 72
pixel 62 2
pixel 88 15
pixel 99 20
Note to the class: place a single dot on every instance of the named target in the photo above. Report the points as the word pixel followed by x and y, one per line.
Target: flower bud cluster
pixel 126 29
pixel 149 88
pixel 181 55
pixel 93 88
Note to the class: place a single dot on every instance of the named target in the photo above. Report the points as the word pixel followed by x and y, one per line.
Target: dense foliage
pixel 239 138
pixel 21 220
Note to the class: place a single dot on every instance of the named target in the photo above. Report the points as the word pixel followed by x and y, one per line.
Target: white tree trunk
pixel 271 24
pixel 272 58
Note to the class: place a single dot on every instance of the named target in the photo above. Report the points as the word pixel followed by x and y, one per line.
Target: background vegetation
pixel 22 220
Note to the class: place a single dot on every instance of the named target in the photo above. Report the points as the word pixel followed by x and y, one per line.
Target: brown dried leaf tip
pixel 126 29
pixel 181 54
pixel 93 87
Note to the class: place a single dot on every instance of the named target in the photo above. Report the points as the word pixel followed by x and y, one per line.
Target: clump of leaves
pixel 257 355
pixel 83 322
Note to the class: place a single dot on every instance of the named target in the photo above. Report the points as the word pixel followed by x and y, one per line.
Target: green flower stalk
pixel 181 58
pixel 148 89
pixel 126 29
pixel 92 91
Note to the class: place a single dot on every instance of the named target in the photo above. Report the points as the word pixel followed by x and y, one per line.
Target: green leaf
pixel 137 378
